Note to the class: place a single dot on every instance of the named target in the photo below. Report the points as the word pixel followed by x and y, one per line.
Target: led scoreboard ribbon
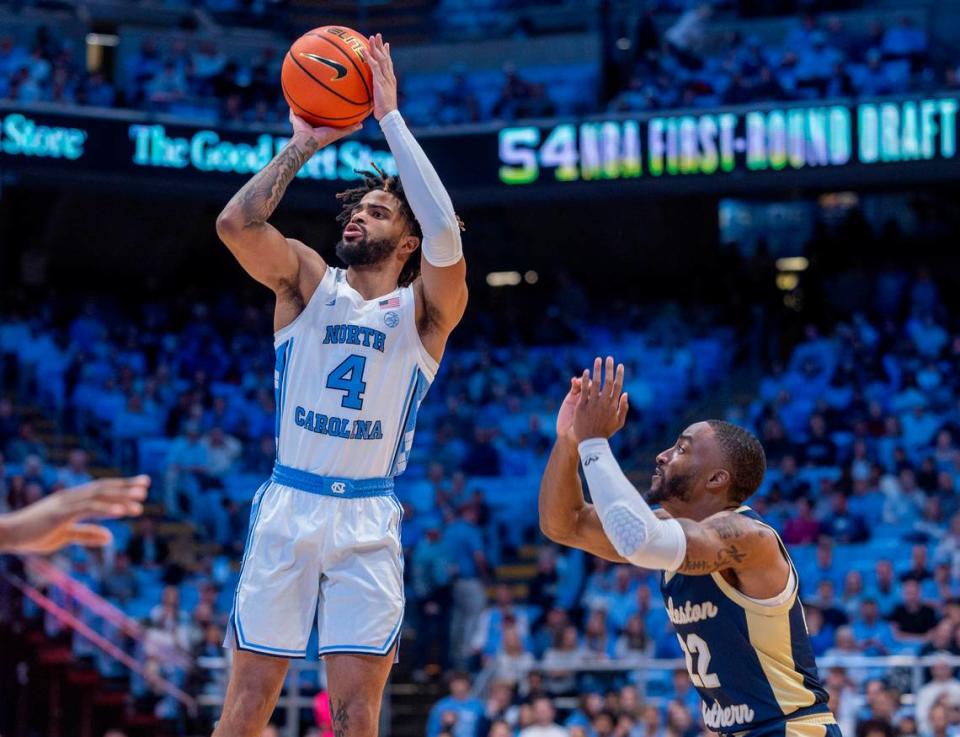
pixel 724 142
pixel 830 144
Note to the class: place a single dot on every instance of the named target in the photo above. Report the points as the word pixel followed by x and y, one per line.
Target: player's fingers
pixel 623 409
pixel 608 377
pixel 116 489
pixel 585 387
pixel 597 381
pixel 575 385
pixel 109 510
pixel 118 482
pixel 90 535
pixel 618 381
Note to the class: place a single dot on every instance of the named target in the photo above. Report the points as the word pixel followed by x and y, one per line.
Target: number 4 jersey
pixel 350 375
pixel 750 660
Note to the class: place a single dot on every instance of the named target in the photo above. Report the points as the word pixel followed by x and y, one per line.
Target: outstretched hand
pixel 322 135
pixel 384 80
pixel 602 405
pixel 53 522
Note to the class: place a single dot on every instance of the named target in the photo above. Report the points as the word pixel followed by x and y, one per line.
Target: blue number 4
pixel 348 377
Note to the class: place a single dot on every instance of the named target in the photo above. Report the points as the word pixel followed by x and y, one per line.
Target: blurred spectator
pixel 544 724
pixel 499 708
pixel 905 41
pixel 147 548
pixel 431 582
pixel 121 585
pixel 75 472
pixel 464 540
pixel 942 689
pixel 803 528
pixel 873 634
pixel 884 589
pixel 222 453
pixel 685 38
pixel 912 619
pixel 842 525
pixel 459 713
pixel 25 444
pixel 561 659
pixel 513 661
pixel 515 92
pixel 493 622
pixel 634 642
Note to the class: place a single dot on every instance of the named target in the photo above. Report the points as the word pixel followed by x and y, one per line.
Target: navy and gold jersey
pixel 751 662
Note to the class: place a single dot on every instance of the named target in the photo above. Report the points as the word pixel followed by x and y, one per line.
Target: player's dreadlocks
pixel 379 180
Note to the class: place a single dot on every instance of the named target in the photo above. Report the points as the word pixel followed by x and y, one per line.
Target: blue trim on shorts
pixel 331 485
pixel 263 649
pixel 367 649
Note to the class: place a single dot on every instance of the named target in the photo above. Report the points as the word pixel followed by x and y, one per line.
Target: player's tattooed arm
pixel 726 541
pixel 259 197
pixel 261 249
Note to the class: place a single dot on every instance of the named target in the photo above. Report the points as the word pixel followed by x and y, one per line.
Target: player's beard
pixel 365 251
pixel 675 486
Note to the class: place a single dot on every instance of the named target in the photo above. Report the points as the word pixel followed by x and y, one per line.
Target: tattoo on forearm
pixel 340 719
pixel 724 558
pixel 261 195
pixel 739 537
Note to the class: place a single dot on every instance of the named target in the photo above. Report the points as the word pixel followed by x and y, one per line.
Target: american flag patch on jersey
pixel 386 304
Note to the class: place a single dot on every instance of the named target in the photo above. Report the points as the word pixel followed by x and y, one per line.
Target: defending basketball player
pixel 728 583
pixel 356 350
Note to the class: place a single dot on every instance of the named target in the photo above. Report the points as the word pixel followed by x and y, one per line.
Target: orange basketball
pixel 326 78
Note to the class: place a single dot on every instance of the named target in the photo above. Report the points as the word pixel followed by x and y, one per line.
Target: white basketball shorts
pixel 326 547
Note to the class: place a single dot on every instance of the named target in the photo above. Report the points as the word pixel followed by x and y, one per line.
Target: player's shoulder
pixel 730 523
pixel 312 266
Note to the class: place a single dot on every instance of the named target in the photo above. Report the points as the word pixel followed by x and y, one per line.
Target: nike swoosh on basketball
pixel 340 69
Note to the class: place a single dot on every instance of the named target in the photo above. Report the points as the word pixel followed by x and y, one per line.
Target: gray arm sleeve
pixel 634 530
pixel 425 192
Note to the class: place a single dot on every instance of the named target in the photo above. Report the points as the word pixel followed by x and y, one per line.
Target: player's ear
pixel 409 244
pixel 718 479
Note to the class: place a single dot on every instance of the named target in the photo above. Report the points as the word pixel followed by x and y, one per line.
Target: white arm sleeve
pixel 424 191
pixel 635 531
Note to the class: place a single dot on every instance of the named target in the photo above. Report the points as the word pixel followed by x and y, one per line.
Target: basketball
pixel 326 79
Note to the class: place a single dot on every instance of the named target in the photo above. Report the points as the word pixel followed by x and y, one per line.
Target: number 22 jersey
pixel 751 661
pixel 350 375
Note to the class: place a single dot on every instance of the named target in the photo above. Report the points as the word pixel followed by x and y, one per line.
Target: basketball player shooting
pixel 728 583
pixel 356 350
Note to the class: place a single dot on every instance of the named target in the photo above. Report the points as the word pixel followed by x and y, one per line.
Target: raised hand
pixel 602 406
pixel 384 80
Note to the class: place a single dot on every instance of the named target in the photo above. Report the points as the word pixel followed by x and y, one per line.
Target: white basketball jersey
pixel 349 378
